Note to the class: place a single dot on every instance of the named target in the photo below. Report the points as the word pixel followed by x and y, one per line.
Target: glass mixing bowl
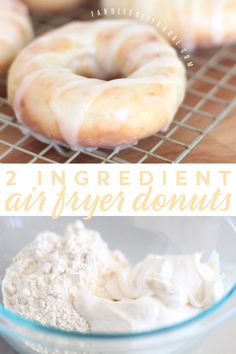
pixel 136 237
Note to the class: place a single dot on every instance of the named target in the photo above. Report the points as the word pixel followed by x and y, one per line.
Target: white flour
pixel 39 283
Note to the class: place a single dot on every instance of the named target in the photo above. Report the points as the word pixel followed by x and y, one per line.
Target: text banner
pixel 98 190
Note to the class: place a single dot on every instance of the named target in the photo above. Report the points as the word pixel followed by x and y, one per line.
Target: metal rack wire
pixel 210 98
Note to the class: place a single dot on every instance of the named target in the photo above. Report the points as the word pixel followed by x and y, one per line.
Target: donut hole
pixel 88 66
pixel 91 67
pixel 104 60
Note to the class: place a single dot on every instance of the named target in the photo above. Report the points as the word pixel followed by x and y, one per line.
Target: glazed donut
pixel 15 31
pixel 51 5
pixel 101 83
pixel 195 22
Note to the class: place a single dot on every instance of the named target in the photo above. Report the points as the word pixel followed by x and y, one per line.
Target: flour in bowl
pixel 39 283
pixel 74 282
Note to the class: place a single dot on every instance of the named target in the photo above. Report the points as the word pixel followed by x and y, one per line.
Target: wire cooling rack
pixel 210 98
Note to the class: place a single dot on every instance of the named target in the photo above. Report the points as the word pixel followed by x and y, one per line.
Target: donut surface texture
pixel 51 5
pixel 198 23
pixel 15 31
pixel 103 83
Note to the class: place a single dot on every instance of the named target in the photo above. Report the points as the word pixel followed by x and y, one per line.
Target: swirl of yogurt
pixel 174 280
pixel 158 291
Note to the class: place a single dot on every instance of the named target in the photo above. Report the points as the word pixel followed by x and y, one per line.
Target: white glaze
pixel 197 18
pixel 188 25
pixel 217 22
pixel 25 84
pixel 15 31
pixel 8 16
pixel 214 23
pixel 139 69
pixel 70 126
